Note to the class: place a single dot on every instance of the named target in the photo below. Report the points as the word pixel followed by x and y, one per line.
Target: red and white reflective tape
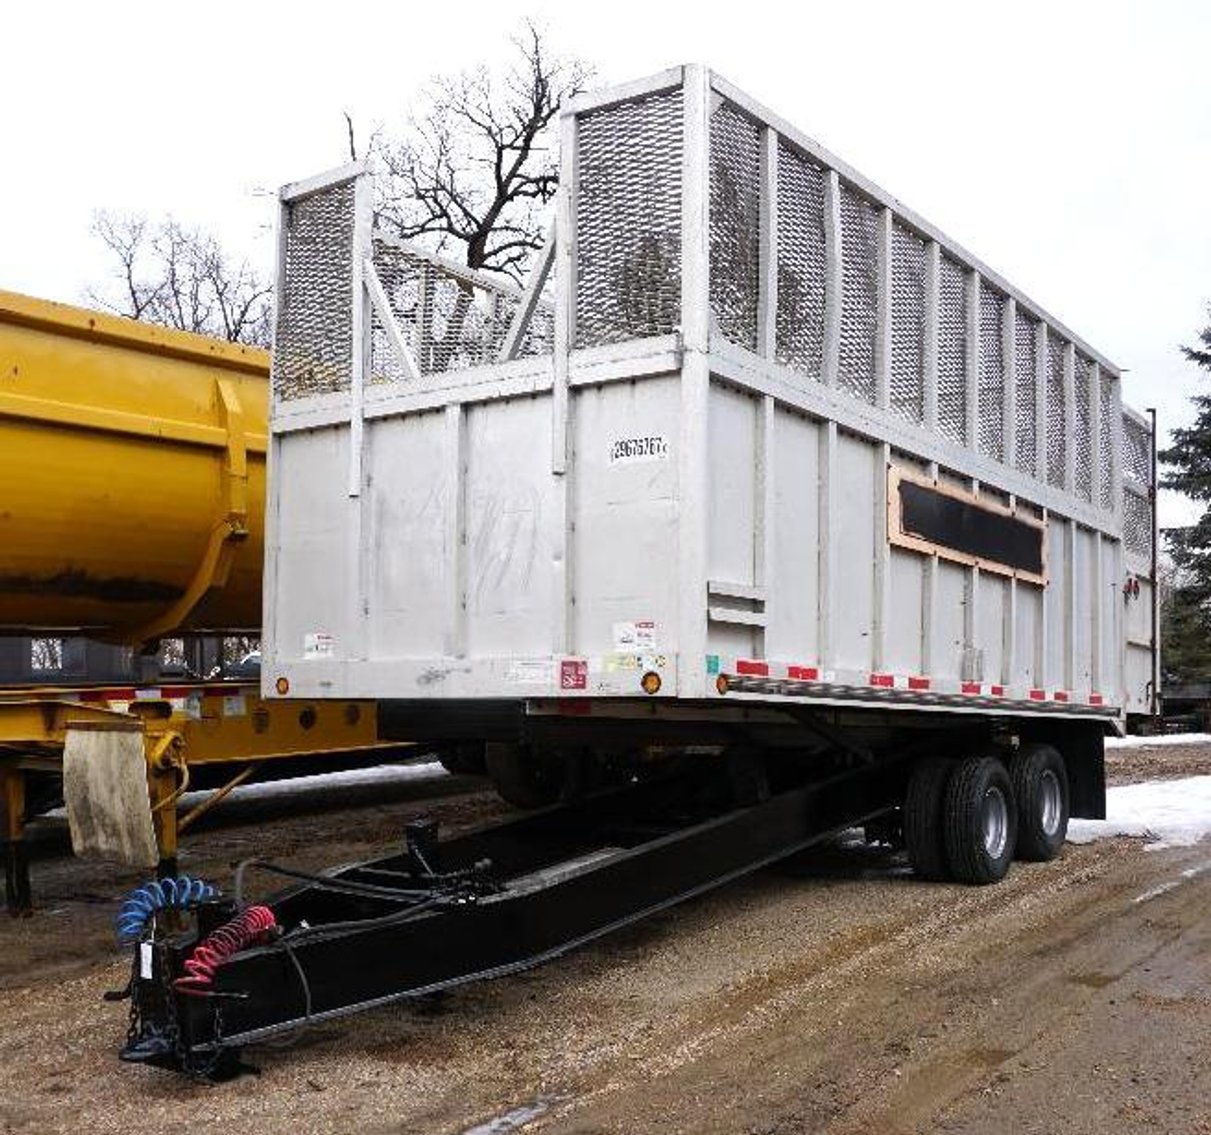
pixel 1096 699
pixel 977 689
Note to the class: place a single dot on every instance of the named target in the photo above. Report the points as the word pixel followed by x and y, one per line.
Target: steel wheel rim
pixel 995 818
pixel 1050 802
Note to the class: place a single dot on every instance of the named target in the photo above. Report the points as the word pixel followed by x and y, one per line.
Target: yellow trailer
pixel 132 505
pixel 132 466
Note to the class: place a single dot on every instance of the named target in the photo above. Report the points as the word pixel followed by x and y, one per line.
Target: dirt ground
pixel 836 994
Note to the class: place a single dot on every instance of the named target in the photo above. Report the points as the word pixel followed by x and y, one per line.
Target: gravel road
pixel 835 994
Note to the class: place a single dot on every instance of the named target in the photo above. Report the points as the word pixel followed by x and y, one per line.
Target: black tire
pixel 466 759
pixel 520 777
pixel 1040 789
pixel 981 821
pixel 923 807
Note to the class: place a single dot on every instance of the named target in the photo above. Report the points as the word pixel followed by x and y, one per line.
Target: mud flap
pixel 105 790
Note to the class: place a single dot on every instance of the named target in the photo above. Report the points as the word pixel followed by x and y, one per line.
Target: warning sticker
pixel 573 674
pixel 319 644
pixel 234 705
pixel 632 450
pixel 637 636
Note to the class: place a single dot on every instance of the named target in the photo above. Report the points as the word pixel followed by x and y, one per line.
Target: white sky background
pixel 1067 144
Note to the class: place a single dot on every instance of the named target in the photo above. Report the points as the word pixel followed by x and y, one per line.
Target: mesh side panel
pixel 1057 440
pixel 859 294
pixel 628 221
pixel 735 224
pixel 1106 441
pixel 1137 524
pixel 1137 451
pixel 1025 402
pixel 1083 440
pixel 952 352
pixel 907 324
pixel 313 341
pixel 800 331
pixel 447 322
pixel 992 374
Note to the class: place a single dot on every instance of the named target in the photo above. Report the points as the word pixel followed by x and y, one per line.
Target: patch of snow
pixel 342 778
pixel 1155 742
pixel 1169 813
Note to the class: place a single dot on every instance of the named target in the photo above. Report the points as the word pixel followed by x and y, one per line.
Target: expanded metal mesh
pixel 907 369
pixel 992 373
pixel 952 351
pixel 448 322
pixel 735 224
pixel 628 221
pixel 859 294
pixel 1106 432
pixel 1137 523
pixel 1137 451
pixel 1082 441
pixel 1025 393
pixel 1057 426
pixel 314 336
pixel 799 340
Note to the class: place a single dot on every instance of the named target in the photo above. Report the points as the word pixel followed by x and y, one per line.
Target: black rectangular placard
pixel 963 525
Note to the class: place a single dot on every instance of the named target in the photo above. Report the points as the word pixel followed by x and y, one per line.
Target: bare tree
pixel 179 277
pixel 476 163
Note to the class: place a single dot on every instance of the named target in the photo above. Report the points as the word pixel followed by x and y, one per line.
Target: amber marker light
pixel 721 683
pixel 650 682
pixel 282 685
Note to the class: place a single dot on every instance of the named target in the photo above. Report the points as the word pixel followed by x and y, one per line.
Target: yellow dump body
pixel 132 474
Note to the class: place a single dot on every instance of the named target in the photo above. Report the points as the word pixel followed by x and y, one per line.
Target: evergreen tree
pixel 1186 618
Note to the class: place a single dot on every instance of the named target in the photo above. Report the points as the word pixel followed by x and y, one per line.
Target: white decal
pixel 632 450
pixel 319 644
pixel 145 960
pixel 637 636
pixel 234 705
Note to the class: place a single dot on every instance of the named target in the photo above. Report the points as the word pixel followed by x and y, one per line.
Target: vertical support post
pixel 1040 400
pixel 972 361
pixel 17 891
pixel 1069 418
pixel 695 381
pixel 933 275
pixel 454 534
pixel 163 775
pixel 1009 627
pixel 827 568
pixel 1070 611
pixel 360 564
pixel 1095 436
pixel 359 326
pixel 971 615
pixel 833 278
pixel 564 337
pixel 1154 706
pixel 1009 313
pixel 765 506
pixel 1098 629
pixel 881 582
pixel 1042 669
pixel 883 313
pixel 929 598
pixel 767 298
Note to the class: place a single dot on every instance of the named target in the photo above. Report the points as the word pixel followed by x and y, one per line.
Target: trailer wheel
pixel 923 806
pixel 981 821
pixel 1040 789
pixel 520 776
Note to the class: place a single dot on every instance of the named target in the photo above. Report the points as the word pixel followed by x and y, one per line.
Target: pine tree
pixel 1186 619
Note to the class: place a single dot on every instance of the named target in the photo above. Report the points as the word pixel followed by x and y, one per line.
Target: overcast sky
pixel 1067 144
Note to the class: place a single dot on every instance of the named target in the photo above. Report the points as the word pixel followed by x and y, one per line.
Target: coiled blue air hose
pixel 180 893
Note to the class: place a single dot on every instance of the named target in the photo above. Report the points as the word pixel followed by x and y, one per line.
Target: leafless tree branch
pixel 179 277
pixel 477 159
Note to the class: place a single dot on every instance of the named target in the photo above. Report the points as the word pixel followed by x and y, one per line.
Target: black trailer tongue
pixel 444 912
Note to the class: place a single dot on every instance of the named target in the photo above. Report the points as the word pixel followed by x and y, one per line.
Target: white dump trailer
pixel 758 458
